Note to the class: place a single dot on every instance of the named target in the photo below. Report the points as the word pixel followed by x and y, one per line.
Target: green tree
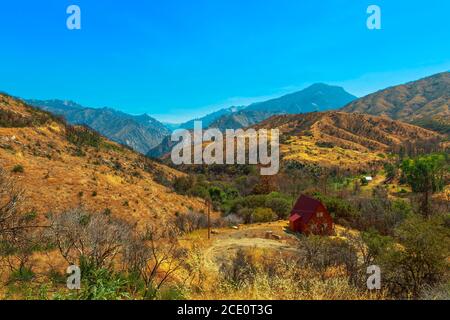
pixel 419 260
pixel 426 175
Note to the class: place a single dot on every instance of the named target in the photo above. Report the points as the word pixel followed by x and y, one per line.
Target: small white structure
pixel 369 179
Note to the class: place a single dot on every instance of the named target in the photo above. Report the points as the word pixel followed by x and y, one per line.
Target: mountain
pixel 141 133
pixel 424 102
pixel 61 167
pixel 210 118
pixel 343 139
pixel 318 97
pixel 240 119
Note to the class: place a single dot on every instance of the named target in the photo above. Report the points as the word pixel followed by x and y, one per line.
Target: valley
pixel 139 225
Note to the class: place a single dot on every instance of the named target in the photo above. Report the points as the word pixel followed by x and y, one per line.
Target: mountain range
pixel 317 97
pixel 141 133
pixel 63 167
pixel 424 102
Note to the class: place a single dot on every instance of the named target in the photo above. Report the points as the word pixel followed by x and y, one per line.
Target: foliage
pixel 426 173
pixel 337 207
pixel 420 259
pixel 18 169
pixel 82 136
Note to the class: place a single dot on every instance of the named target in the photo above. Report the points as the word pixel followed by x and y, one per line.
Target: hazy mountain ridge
pixel 423 102
pixel 141 132
pixel 315 98
pixel 211 117
pixel 318 97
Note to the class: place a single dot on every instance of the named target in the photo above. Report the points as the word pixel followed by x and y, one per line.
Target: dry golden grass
pixel 55 178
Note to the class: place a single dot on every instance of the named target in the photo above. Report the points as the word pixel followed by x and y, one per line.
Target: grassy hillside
pixel 424 102
pixel 342 139
pixel 62 167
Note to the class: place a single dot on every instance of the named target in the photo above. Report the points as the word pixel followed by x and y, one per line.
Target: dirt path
pixel 227 242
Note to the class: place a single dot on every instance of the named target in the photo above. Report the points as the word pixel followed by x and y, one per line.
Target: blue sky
pixel 178 59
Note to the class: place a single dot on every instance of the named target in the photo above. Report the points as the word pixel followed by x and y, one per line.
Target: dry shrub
pixel 265 275
pixel 96 239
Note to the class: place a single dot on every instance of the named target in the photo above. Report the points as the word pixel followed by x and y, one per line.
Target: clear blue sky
pixel 176 59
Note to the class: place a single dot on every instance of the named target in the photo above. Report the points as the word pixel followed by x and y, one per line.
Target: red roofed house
pixel 309 216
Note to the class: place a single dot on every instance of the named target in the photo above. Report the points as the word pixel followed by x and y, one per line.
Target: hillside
pixel 61 167
pixel 424 102
pixel 141 133
pixel 341 139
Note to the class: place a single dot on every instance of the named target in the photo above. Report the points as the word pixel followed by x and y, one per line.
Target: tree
pixel 155 255
pixel 420 258
pixel 19 231
pixel 89 240
pixel 426 175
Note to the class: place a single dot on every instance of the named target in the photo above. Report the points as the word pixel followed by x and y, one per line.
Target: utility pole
pixel 208 205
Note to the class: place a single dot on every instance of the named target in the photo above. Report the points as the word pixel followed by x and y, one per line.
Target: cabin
pixel 310 216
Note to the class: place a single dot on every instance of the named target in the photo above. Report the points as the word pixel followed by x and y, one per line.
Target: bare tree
pixel 96 238
pixel 19 233
pixel 155 255
pixel 11 200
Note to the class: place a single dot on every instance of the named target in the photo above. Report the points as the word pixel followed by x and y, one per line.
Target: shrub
pixel 191 221
pixel 281 207
pixel 182 185
pixel 18 169
pixel 82 136
pixel 24 274
pixel 263 215
pixel 338 208
pixel 324 144
pixel 420 261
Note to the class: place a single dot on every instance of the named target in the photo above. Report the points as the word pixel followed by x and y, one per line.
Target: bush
pixel 82 136
pixel 182 185
pixel 191 221
pixel 24 274
pixel 420 261
pixel 281 207
pixel 18 169
pixel 338 208
pixel 263 215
